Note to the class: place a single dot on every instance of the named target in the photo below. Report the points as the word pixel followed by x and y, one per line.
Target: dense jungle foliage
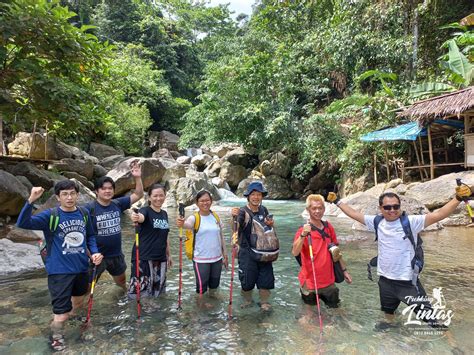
pixel 304 77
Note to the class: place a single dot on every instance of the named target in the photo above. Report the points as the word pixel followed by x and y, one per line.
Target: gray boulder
pixel 99 171
pixel 201 160
pixel 233 174
pixel 213 168
pixel 109 162
pixel 276 164
pixel 102 151
pixel 25 182
pixel 36 176
pixel 237 157
pixel 13 194
pixel 162 153
pixel 184 190
pixel 220 183
pixel 174 170
pixel 220 149
pixel 18 257
pixel 21 146
pixel 19 235
pixel 83 180
pixel 278 188
pixel 183 159
pixel 163 139
pixel 82 167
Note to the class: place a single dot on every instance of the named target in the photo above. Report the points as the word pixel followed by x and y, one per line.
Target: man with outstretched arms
pixel 251 271
pixel 69 239
pixel 399 260
pixel 325 252
pixel 106 218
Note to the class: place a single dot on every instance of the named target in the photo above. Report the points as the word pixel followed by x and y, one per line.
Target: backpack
pixel 338 273
pixel 190 241
pixel 418 261
pixel 53 225
pixel 263 240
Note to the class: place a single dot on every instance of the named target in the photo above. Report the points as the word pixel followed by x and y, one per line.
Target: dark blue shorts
pixel 252 272
pixel 115 265
pixel 63 286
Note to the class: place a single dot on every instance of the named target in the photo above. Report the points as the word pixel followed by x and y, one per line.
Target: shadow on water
pixel 291 327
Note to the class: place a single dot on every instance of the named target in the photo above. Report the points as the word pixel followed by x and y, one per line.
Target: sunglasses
pixel 391 207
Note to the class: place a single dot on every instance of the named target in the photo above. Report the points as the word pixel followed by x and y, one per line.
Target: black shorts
pixel 252 272
pixel 329 295
pixel 63 286
pixel 208 275
pixel 392 292
pixel 115 265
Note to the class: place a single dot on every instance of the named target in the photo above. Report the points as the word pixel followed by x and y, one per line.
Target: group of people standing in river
pixel 84 239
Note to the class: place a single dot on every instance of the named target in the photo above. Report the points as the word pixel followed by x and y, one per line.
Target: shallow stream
pixel 291 327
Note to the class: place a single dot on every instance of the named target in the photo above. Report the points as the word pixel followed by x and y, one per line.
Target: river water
pixel 291 327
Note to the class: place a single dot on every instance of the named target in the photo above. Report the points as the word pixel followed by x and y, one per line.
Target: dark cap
pixel 255 186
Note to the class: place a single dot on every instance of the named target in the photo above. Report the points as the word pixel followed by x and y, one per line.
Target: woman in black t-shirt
pixel 154 249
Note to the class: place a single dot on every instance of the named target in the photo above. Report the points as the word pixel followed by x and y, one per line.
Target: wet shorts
pixel 63 286
pixel 252 272
pixel 392 292
pixel 115 265
pixel 208 275
pixel 329 295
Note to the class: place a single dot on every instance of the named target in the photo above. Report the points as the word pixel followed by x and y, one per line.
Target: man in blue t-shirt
pixel 106 217
pixel 69 239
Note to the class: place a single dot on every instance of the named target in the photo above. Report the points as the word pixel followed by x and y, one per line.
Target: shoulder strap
pixel 322 232
pixel 407 228
pixel 377 221
pixel 54 219
pixel 84 213
pixel 197 222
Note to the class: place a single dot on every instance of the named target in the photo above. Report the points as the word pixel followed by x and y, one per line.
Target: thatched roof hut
pixel 454 104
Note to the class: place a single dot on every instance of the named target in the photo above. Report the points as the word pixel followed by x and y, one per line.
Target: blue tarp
pixel 405 132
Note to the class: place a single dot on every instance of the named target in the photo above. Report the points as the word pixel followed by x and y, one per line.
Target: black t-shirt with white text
pixel 153 235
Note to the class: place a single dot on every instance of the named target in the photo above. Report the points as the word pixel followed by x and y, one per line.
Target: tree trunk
pixel 1 136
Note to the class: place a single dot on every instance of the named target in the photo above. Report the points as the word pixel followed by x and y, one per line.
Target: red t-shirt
pixel 323 264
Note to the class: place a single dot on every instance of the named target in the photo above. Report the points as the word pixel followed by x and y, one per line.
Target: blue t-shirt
pixel 106 221
pixel 68 244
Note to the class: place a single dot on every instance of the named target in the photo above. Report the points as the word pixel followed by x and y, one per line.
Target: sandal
pixel 246 304
pixel 266 307
pixel 57 342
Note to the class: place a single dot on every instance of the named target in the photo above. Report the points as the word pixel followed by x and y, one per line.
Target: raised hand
pixel 463 192
pixel 332 197
pixel 35 194
pixel 136 169
pixel 235 211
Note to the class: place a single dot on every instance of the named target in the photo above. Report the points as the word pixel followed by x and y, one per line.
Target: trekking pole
pixel 137 268
pixel 234 251
pixel 466 201
pixel 310 243
pixel 91 296
pixel 180 282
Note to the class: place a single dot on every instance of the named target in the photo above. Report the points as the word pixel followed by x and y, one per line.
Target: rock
pixel 401 189
pixel 18 257
pixel 213 168
pixel 376 190
pixel 174 170
pixel 175 154
pixel 13 194
pixel 152 172
pixel 99 171
pixel 70 151
pixel 109 162
pixel 351 186
pixel 278 188
pixel 82 167
pixel 36 176
pixel 201 160
pixel 220 183
pixel 162 153
pixel 163 139
pixel 296 185
pixel 102 151
pixel 19 235
pixel 392 184
pixel 194 174
pixel 322 181
pixel 436 193
pixel 22 143
pixel 25 182
pixel 277 164
pixel 183 159
pixel 459 217
pixel 78 177
pixel 233 174
pixel 185 189
pixel 237 157
pixel 221 149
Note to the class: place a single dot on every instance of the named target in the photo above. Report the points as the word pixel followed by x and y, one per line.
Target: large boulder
pixel 109 162
pixel 20 235
pixel 174 170
pixel 201 160
pixel 220 149
pixel 278 188
pixel 102 151
pixel 13 194
pixel 183 159
pixel 233 174
pixel 36 176
pixel 163 139
pixel 18 257
pixel 162 153
pixel 459 217
pixel 83 180
pixel 242 187
pixel 436 193
pixel 152 172
pixel 238 156
pixel 99 171
pixel 213 168
pixel 277 164
pixel 185 189
pixel 21 146
pixel 83 167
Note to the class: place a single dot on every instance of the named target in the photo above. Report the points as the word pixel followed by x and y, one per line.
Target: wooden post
pixel 418 160
pixel 386 161
pixel 421 155
pixel 46 138
pixel 1 135
pixel 430 146
pixel 375 168
pixel 32 141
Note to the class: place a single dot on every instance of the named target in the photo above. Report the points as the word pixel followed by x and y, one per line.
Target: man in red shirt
pixel 323 239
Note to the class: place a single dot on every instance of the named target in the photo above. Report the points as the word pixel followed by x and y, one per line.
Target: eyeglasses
pixel 391 207
pixel 68 194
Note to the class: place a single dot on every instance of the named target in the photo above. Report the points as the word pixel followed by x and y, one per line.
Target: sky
pixel 238 6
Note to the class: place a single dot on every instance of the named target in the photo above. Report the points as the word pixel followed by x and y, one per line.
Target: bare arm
pixel 352 213
pixel 298 243
pixel 442 213
pixel 137 175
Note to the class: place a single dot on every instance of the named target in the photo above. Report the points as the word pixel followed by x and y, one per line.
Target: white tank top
pixel 207 247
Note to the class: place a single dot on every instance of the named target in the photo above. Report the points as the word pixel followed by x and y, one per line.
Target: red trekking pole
pixel 180 284
pixel 310 243
pixel 91 296
pixel 137 268
pixel 234 251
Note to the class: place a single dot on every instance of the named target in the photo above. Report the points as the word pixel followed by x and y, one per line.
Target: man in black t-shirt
pixel 251 271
